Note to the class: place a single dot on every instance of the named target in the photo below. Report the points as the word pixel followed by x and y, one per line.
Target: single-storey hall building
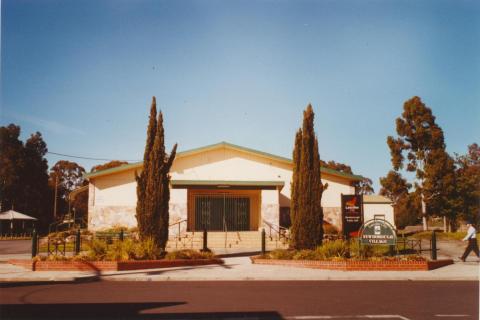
pixel 221 187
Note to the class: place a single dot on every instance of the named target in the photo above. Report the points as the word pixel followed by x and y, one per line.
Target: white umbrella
pixel 14 215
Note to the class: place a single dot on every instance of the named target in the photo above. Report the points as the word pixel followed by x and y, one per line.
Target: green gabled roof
pixel 223 144
pixel 124 167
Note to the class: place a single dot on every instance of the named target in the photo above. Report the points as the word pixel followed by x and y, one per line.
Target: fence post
pixel 205 248
pixel 263 241
pixel 434 246
pixel 77 242
pixel 34 243
pixel 121 235
pixel 391 250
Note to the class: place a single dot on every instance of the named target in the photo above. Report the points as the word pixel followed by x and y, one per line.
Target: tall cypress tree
pixel 307 187
pixel 143 220
pixel 153 193
pixel 295 180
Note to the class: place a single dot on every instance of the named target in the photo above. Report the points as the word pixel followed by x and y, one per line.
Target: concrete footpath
pixel 241 268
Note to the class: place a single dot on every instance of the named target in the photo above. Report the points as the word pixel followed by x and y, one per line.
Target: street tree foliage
pixel 420 148
pixel 80 204
pixel 408 209
pixel 23 175
pixel 307 187
pixel 406 205
pixel 365 186
pixel 394 186
pixel 337 166
pixel 468 183
pixel 66 176
pixel 153 193
pixel 108 165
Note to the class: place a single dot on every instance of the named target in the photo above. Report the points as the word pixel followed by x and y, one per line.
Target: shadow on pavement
pixel 79 310
pixel 38 283
pixel 118 311
pixel 238 254
pixel 167 270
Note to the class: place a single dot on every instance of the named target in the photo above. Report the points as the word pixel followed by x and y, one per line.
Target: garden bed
pixel 358 265
pixel 98 266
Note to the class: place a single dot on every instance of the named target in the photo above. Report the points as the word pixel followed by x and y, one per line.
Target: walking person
pixel 472 241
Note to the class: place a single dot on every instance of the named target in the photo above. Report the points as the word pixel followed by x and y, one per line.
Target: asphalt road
pixel 242 300
pixel 15 246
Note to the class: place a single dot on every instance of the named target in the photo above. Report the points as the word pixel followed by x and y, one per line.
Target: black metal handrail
pixel 179 224
pixel 71 223
pixel 282 232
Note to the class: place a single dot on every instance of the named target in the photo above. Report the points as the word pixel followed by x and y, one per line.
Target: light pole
pixel 424 210
pixel 424 214
pixel 55 200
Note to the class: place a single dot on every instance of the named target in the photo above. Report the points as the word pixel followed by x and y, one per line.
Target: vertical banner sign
pixel 352 214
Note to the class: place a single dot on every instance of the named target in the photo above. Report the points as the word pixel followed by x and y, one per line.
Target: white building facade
pixel 221 187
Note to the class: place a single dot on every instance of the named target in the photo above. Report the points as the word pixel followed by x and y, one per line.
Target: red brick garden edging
pixel 109 265
pixel 355 265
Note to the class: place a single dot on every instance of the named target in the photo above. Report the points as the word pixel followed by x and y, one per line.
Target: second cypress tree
pixel 153 193
pixel 307 187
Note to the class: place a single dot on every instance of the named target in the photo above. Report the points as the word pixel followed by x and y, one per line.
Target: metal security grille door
pixel 222 212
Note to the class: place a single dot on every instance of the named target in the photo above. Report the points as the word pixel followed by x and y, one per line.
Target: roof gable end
pixel 217 146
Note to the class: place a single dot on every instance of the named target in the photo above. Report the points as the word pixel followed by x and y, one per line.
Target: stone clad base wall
pixel 106 217
pixel 177 212
pixel 333 215
pixel 270 213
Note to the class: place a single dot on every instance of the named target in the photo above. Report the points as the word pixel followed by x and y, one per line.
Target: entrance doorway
pixel 222 212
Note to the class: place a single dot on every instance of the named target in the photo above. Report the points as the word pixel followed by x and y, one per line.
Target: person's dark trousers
pixel 472 245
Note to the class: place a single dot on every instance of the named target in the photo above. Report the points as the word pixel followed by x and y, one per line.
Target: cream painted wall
pixel 228 164
pixel 372 209
pixel 119 189
pixel 336 187
pixel 116 189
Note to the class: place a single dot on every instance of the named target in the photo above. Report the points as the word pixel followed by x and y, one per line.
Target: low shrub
pixel 86 232
pixel 411 257
pixel 148 250
pixel 281 254
pixel 329 229
pixel 189 254
pixel 97 250
pixel 359 252
pixel 305 255
pixel 115 229
pixel 121 250
pixel 332 249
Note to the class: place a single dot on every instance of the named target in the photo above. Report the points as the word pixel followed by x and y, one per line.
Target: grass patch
pixel 427 235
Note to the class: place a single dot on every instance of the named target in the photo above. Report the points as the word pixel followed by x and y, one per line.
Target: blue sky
pixel 83 73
